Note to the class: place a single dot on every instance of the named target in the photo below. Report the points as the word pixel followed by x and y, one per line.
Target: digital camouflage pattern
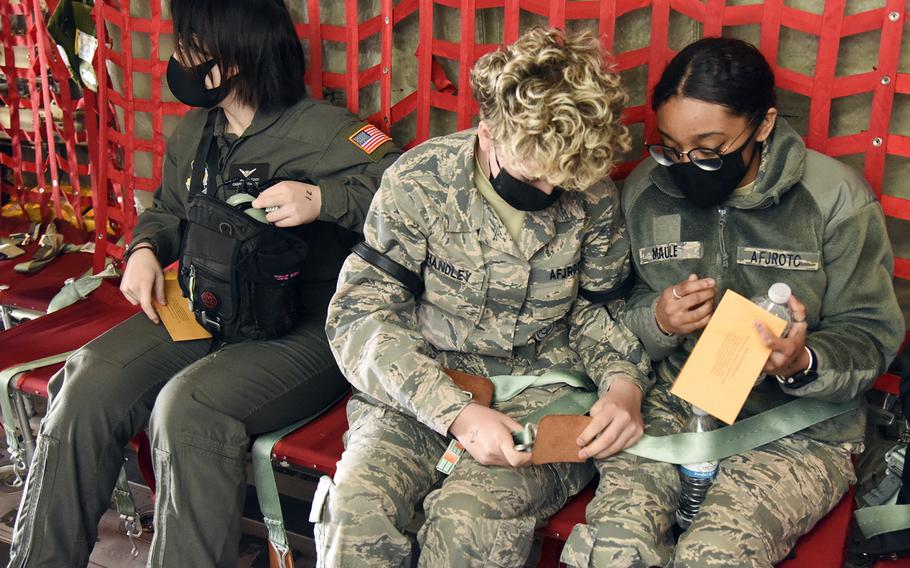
pixel 492 306
pixel 761 502
pixel 477 516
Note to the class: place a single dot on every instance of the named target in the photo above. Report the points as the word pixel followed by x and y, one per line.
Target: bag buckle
pixel 210 321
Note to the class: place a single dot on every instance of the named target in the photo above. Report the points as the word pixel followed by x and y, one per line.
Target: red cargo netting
pixel 38 123
pixel 436 103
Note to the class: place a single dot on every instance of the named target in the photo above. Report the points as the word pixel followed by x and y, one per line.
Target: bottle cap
pixel 779 293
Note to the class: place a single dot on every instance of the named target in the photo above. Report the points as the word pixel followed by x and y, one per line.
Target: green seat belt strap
pixel 742 436
pixel 874 521
pixel 126 507
pixel 506 387
pixel 7 379
pixel 267 488
pixel 688 447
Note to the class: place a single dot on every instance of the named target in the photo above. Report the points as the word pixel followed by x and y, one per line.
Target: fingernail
pixel 710 282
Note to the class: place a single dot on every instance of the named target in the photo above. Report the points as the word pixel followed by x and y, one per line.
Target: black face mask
pixel 519 194
pixel 188 85
pixel 711 188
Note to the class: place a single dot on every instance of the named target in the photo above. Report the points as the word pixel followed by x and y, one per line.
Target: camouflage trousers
pixel 477 516
pixel 761 502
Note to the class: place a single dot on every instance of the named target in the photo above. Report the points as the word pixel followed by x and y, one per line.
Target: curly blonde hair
pixel 550 101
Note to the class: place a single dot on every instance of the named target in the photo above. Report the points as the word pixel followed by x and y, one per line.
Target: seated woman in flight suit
pixel 494 251
pixel 202 401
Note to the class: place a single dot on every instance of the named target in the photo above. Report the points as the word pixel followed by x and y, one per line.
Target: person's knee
pixel 708 546
pixel 83 390
pixel 495 527
pixel 180 418
pixel 359 523
pixel 614 543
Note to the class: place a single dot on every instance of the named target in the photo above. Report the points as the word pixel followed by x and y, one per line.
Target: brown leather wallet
pixel 481 388
pixel 555 440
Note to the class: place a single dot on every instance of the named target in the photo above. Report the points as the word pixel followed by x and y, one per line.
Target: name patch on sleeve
pixel 685 250
pixel 777 258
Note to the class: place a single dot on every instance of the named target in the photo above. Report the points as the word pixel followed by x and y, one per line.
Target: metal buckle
pixel 524 439
pixel 133 529
pixel 208 321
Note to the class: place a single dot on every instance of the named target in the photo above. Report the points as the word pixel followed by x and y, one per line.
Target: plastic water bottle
pixel 775 301
pixel 696 478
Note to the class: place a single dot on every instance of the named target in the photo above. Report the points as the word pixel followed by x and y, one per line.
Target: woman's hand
pixel 788 354
pixel 487 435
pixel 290 203
pixel 686 307
pixel 616 423
pixel 142 279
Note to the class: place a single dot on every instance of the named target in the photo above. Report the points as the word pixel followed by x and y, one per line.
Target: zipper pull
pixel 722 223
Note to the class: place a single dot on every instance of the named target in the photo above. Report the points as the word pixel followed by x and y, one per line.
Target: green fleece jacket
pixel 811 222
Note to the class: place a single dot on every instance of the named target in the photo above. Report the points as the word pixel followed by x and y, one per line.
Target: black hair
pixel 255 37
pixel 724 71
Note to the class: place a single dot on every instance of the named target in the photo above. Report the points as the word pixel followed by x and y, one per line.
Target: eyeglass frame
pixel 721 150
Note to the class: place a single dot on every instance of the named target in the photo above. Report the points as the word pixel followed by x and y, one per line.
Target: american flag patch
pixel 369 138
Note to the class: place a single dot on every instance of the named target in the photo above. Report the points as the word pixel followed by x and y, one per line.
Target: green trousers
pixel 761 502
pixel 478 516
pixel 201 409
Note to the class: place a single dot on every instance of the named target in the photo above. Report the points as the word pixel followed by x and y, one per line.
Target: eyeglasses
pixel 708 159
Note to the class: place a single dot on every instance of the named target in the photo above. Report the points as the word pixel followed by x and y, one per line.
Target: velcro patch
pixel 253 173
pixel 685 250
pixel 369 138
pixel 776 258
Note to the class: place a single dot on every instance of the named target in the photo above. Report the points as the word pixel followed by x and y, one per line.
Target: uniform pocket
pixel 550 301
pixel 578 547
pixel 317 517
pixel 512 544
pixel 451 305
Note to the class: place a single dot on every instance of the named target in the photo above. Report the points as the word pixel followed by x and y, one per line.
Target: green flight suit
pixel 201 406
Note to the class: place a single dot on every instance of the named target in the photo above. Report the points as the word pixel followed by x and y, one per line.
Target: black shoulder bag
pixel 242 276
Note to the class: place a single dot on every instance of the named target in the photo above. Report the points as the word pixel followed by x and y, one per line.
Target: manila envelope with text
pixel 728 358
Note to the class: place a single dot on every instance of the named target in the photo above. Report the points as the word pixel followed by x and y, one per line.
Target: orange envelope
pixel 176 315
pixel 729 356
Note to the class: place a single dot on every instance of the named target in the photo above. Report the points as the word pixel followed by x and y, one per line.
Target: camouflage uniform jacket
pixel 491 305
pixel 810 222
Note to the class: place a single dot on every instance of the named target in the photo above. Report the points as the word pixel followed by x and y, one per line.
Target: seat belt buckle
pixel 524 439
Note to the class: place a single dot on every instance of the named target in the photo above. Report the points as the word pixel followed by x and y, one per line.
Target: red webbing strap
pixel 11 99
pixel 825 63
pixel 884 83
pixel 352 48
pixel 466 60
pixel 52 68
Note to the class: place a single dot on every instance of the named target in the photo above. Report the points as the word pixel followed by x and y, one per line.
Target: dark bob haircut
pixel 255 37
pixel 724 71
